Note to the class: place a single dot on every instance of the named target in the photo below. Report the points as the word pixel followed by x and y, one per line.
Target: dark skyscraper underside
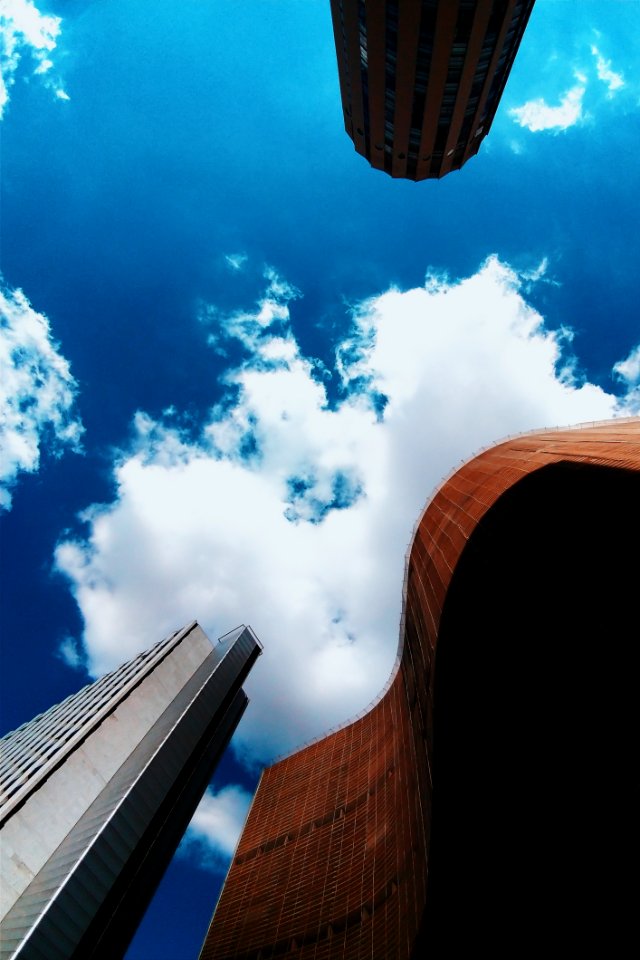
pixel 421 79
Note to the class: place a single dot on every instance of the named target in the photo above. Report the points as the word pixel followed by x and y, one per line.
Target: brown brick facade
pixel 334 856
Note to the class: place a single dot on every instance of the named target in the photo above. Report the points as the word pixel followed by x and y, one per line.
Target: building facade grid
pixel 106 784
pixel 334 860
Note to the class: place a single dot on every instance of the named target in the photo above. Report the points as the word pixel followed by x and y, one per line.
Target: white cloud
pixel 293 514
pixel 537 115
pixel 37 392
pixel 25 30
pixel 613 80
pixel 235 261
pixel 71 653
pixel 628 371
pixel 215 828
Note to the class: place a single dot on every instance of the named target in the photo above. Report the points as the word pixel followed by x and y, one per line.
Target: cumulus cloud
pixel 213 833
pixel 613 80
pixel 24 30
pixel 292 511
pixel 37 392
pixel 538 115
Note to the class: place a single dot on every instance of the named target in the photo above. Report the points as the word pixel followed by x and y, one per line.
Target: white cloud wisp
pixel 292 513
pixel 37 392
pixel 536 115
pixel 214 831
pixel 614 81
pixel 235 261
pixel 25 30
pixel 628 372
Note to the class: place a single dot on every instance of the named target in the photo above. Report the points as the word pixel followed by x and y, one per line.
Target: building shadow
pixel 534 839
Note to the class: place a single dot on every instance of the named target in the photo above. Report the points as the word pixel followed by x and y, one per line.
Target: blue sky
pixel 236 360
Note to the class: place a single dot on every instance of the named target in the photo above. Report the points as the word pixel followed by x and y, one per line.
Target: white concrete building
pixel 96 793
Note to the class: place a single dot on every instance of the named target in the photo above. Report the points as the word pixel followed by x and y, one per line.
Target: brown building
pixel 421 79
pixel 486 802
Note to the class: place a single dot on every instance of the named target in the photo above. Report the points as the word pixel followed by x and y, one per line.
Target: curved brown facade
pixel 526 723
pixel 421 80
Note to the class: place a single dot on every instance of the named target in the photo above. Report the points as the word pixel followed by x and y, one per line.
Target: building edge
pixel 585 425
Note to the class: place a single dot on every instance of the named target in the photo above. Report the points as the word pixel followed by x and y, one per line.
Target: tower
pixel 487 798
pixel 421 80
pixel 97 792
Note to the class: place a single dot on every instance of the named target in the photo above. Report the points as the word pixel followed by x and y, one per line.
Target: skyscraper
pixel 487 800
pixel 97 792
pixel 421 80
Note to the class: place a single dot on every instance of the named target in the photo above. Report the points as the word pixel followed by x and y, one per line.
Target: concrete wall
pixel 35 830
